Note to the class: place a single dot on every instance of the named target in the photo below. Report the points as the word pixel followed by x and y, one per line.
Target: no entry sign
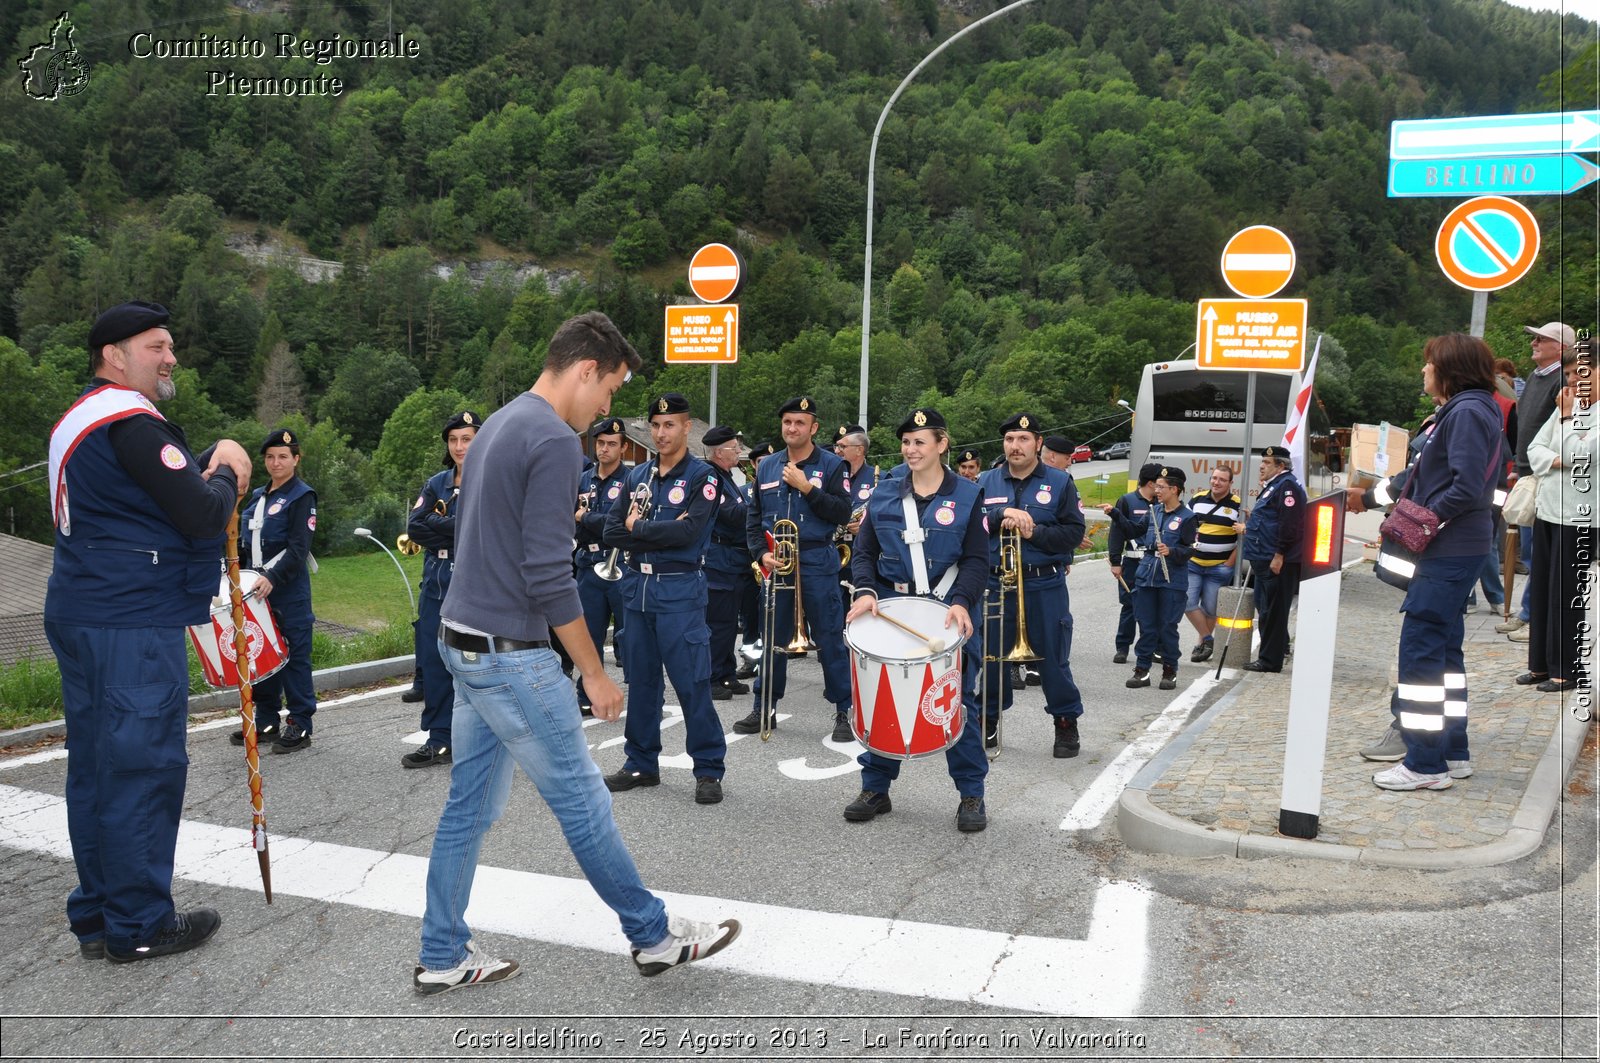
pixel 716 273
pixel 1258 262
pixel 1487 243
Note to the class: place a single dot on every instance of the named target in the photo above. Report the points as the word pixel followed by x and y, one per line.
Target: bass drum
pixel 213 642
pixel 906 698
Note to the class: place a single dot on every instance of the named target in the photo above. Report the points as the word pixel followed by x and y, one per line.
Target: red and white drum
pixel 907 698
pixel 213 642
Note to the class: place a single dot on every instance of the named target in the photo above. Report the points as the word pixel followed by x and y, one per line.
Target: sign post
pixel 1305 748
pixel 708 334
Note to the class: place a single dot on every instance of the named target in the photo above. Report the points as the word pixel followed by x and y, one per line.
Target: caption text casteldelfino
pixel 321 51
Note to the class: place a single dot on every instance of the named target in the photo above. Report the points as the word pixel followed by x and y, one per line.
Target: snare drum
pixel 907 700
pixel 213 642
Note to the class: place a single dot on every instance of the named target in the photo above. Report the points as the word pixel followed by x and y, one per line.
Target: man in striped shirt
pixel 1216 551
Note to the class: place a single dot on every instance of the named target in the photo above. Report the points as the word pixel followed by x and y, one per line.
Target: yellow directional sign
pixel 1251 334
pixel 703 334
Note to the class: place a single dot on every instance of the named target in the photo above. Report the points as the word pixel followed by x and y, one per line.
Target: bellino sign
pixel 1504 155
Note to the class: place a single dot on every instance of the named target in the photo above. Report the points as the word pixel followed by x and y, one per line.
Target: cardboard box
pixel 1373 459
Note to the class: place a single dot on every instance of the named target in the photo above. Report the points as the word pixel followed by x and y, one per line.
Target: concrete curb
pixel 341 678
pixel 1147 828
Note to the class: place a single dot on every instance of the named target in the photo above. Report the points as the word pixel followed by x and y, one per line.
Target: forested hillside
pixel 1052 196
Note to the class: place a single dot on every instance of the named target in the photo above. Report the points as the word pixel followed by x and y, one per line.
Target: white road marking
pixel 1102 974
pixel 1102 795
pixel 798 768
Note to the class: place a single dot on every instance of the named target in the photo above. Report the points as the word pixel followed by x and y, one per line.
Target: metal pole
pixel 364 533
pixel 713 414
pixel 872 166
pixel 1480 311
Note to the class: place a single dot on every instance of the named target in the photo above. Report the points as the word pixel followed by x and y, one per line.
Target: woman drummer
pixel 947 560
pixel 432 526
pixel 280 519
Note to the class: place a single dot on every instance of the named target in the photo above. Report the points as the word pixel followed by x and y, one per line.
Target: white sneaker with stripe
pixel 686 942
pixel 476 969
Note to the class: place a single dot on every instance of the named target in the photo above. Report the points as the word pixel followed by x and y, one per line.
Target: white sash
pixel 914 535
pixel 112 402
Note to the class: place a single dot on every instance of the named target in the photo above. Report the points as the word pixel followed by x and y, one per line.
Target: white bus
pixel 1194 418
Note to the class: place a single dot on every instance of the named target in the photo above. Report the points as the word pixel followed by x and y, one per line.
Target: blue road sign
pixel 1551 133
pixel 1505 175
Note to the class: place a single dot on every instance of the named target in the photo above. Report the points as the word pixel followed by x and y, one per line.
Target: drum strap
pixel 257 519
pixel 914 535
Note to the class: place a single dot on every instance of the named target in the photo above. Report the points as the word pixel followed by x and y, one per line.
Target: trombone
pixel 785 576
pixel 994 610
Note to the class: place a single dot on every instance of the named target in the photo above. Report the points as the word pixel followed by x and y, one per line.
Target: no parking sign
pixel 1487 243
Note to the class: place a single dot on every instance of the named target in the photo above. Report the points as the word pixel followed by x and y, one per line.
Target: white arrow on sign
pixel 1021 972
pixel 728 320
pixel 1210 318
pixel 1551 133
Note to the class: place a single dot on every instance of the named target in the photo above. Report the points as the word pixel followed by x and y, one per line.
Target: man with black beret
pixel 1125 549
pixel 601 486
pixel 1272 546
pixel 728 574
pixel 750 594
pixel 1057 452
pixel 851 446
pixel 1162 582
pixel 139 523
pixel 1041 505
pixel 809 487
pixel 969 464
pixel 665 525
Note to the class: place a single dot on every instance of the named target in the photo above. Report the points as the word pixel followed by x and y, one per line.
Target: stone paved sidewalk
pixel 1218 786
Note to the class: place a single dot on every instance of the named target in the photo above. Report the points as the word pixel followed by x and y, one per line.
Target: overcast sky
pixel 1589 9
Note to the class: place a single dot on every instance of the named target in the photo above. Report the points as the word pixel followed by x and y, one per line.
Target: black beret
pixel 760 450
pixel 848 430
pixel 464 419
pixel 1148 472
pixel 1280 453
pixel 281 437
pixel 968 455
pixel 921 417
pixel 719 435
pixel 611 426
pixel 1059 444
pixel 669 402
pixel 124 320
pixel 799 404
pixel 1022 422
pixel 1172 474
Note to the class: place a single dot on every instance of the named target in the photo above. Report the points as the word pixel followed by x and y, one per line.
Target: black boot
pixel 1066 737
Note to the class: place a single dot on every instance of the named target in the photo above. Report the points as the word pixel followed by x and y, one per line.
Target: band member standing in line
pixel 728 572
pixel 1125 549
pixel 604 601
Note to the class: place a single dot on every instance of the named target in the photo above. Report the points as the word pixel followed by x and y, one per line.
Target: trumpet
pixel 405 545
pixel 994 613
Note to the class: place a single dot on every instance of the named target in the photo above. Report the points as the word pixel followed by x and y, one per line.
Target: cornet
pixel 406 546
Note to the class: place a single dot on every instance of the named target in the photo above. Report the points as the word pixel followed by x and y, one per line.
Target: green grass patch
pixel 365 590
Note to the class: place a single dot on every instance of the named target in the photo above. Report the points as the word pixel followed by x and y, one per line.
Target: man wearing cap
pixel 851 446
pixel 1216 551
pixel 1272 546
pixel 750 593
pixel 728 573
pixel 281 519
pixel 807 485
pixel 665 526
pixel 600 486
pixel 1125 549
pixel 969 464
pixel 1162 582
pixel 1551 346
pixel 432 526
pixel 1057 453
pixel 139 523
pixel 1041 504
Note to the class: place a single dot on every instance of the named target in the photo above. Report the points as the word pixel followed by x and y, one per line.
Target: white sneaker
pixel 1459 769
pixel 686 942
pixel 1506 627
pixel 1401 777
pixel 474 970
pixel 1522 634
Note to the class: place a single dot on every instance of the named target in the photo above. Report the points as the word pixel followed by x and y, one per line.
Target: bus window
pixel 1214 395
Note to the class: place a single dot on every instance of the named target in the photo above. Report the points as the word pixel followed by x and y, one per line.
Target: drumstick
pixel 934 645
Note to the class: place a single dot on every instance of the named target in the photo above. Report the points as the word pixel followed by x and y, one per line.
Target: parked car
pixel 1084 452
pixel 1114 451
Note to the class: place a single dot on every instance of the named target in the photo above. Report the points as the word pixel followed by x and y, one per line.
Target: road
pixel 902 938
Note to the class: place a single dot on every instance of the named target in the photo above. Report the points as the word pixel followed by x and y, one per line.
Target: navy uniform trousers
pixel 819 596
pixel 667 630
pixel 1049 633
pixel 605 603
pixel 438 686
pixel 126 692
pixel 290 685
pixel 1430 700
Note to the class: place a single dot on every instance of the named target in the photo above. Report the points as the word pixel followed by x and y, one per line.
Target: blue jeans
pixel 519 708
pixel 1204 583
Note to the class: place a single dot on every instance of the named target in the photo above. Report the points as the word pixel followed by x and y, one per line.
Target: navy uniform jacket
pixel 666 552
pixel 1177 529
pixel 861 484
pixel 727 553
pixel 436 534
pixel 288 522
pixel 1050 497
pixel 143 543
pixel 1275 524
pixel 1129 518
pixel 603 493
pixel 817 514
pixel 956 535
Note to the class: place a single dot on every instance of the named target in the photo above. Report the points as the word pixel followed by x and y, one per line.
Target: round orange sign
pixel 716 273
pixel 1258 262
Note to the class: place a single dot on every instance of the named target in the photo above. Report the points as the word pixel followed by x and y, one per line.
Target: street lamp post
pixel 366 533
pixel 872 165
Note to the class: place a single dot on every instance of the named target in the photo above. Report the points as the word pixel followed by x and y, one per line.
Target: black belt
pixel 466 643
pixel 663 568
pixel 1034 571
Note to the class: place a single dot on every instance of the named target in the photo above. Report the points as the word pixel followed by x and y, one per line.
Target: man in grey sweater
pixel 512 588
pixel 1552 346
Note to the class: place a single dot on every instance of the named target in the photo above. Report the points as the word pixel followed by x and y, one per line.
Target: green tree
pixel 412 448
pixel 368 386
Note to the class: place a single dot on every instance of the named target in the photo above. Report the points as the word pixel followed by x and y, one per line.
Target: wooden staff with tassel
pixel 247 709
